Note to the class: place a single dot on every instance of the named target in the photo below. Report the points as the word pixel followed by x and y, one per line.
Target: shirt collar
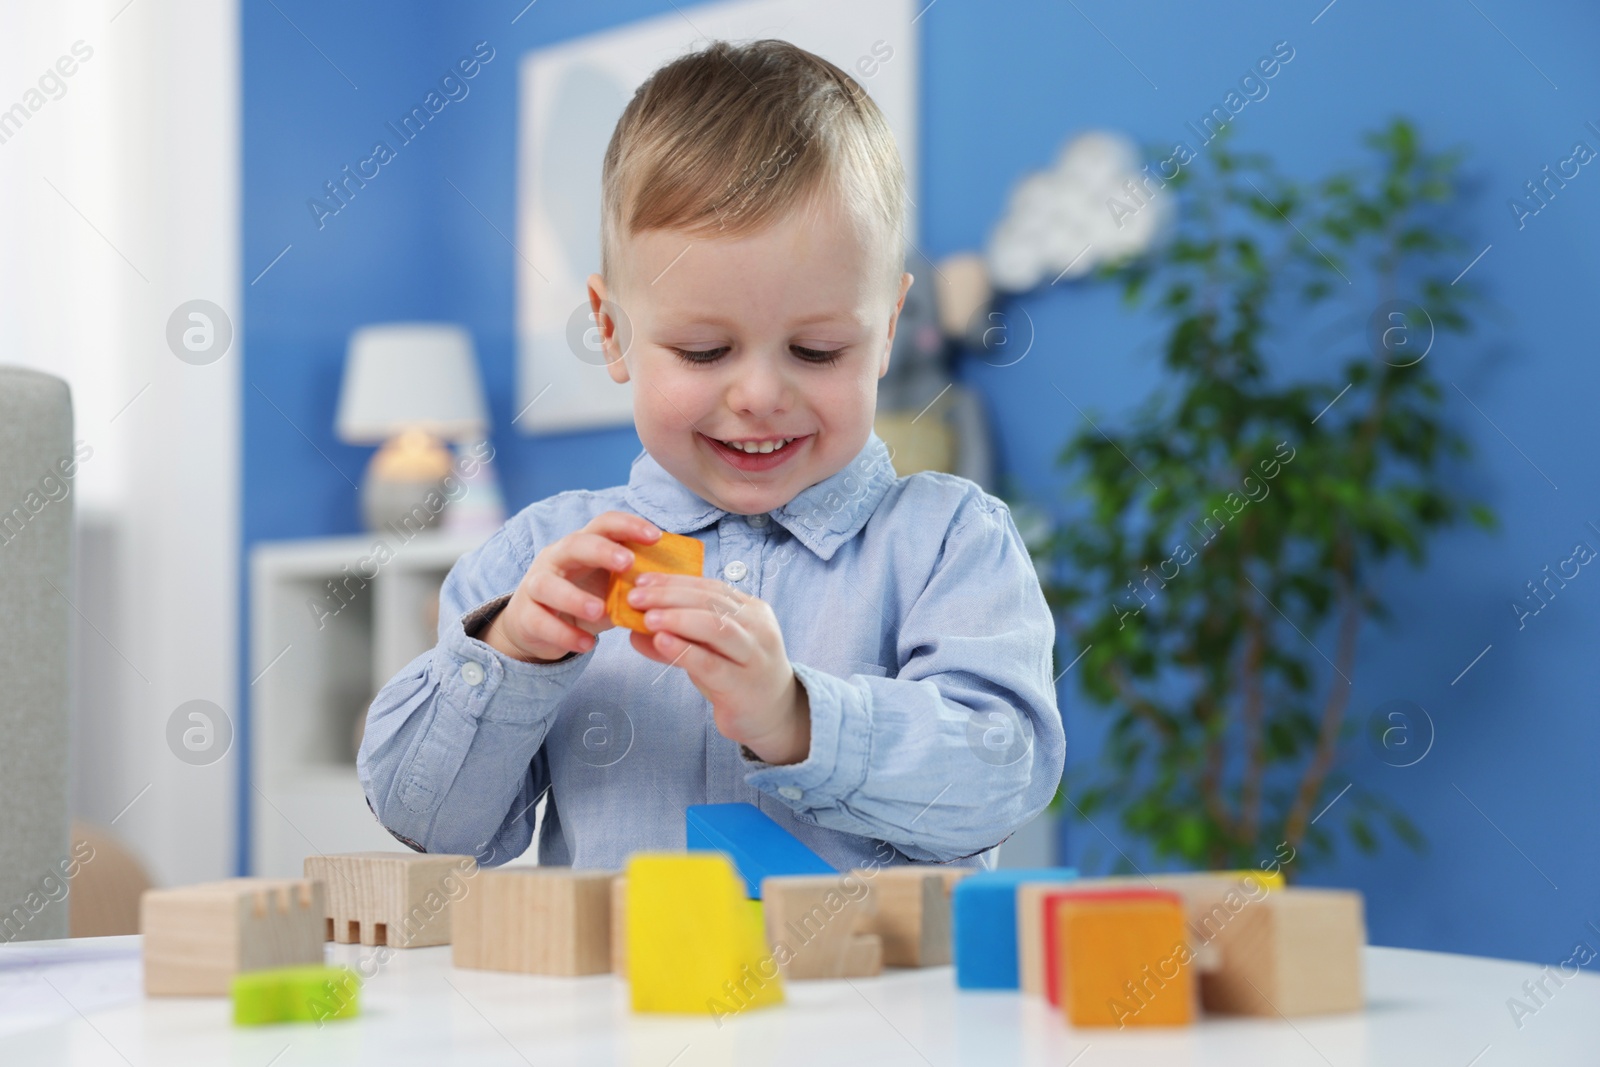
pixel 822 517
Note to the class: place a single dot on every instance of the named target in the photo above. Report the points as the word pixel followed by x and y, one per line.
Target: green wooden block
pixel 295 994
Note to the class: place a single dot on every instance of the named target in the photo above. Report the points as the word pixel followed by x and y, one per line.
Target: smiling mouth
pixel 756 448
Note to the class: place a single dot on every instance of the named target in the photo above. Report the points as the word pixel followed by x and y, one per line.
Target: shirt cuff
pixel 841 734
pixel 484 683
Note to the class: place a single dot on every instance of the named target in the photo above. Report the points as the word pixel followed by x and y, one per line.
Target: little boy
pixel 867 658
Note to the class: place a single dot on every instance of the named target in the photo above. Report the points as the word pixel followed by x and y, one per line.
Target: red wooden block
pixel 1052 967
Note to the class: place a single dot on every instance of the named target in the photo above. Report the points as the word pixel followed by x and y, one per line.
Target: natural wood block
pixel 695 941
pixel 1295 952
pixel 822 926
pixel 1210 899
pixel 913 914
pixel 197 937
pixel 672 554
pixel 619 925
pixel 535 920
pixel 399 899
pixel 1124 960
pixel 952 875
pixel 1031 951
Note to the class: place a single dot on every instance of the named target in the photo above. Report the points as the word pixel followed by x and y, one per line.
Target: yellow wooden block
pixel 695 942
pixel 1265 879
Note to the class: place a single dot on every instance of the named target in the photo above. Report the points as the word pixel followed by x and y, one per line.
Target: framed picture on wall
pixel 570 97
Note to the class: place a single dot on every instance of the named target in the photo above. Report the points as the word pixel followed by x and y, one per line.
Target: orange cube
pixel 671 554
pixel 1124 961
pixel 1052 942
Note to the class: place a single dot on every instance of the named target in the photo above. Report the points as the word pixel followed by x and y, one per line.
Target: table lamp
pixel 409 386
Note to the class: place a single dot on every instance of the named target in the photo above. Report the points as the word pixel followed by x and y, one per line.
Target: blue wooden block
pixel 759 847
pixel 983 919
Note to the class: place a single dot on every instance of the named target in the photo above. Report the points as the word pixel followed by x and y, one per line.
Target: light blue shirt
pixel 910 610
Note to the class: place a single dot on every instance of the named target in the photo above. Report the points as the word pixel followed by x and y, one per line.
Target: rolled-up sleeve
pixel 452 757
pixel 964 744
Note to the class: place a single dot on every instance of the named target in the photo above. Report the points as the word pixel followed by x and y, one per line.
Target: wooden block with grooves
pixel 913 914
pixel 1295 952
pixel 197 937
pixel 398 899
pixel 822 926
pixel 535 920
pixel 671 553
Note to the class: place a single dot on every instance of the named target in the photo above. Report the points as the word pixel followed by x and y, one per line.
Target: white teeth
pixel 754 449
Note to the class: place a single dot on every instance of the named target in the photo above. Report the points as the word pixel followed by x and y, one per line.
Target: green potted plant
pixel 1234 529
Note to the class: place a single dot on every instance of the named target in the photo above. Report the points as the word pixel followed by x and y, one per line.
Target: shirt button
pixel 790 792
pixel 472 673
pixel 758 521
pixel 735 571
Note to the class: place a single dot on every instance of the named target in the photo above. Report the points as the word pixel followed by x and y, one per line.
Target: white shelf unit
pixel 314 674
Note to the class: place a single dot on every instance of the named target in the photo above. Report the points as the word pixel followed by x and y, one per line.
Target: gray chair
pixel 35 629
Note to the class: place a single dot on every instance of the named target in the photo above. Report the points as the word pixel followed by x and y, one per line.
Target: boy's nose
pixel 758 388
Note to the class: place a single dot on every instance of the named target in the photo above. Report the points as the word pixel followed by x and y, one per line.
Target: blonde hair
pixel 728 140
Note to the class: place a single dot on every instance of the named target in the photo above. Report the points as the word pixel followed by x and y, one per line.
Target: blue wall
pixel 1003 86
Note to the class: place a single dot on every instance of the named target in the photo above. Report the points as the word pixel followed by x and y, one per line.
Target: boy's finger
pixel 625 526
pixel 539 626
pixel 589 549
pixel 694 582
pixel 719 634
pixel 645 645
pixel 553 631
pixel 718 600
pixel 558 594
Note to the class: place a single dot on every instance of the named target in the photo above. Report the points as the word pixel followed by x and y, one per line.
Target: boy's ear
pixel 604 322
pixel 894 319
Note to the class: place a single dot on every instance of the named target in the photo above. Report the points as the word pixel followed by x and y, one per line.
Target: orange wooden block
pixel 671 554
pixel 1124 962
pixel 1051 940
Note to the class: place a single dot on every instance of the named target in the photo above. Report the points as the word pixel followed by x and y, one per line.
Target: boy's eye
pixel 816 355
pixel 701 356
pixel 708 355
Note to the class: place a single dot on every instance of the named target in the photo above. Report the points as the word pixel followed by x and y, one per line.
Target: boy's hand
pixel 730 646
pixel 559 605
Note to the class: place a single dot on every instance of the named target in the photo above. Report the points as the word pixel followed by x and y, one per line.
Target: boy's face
pixel 779 334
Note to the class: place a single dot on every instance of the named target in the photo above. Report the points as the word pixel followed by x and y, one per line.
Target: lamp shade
pixel 410 375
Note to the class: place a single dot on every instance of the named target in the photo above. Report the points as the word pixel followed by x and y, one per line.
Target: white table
pixel 79 1002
